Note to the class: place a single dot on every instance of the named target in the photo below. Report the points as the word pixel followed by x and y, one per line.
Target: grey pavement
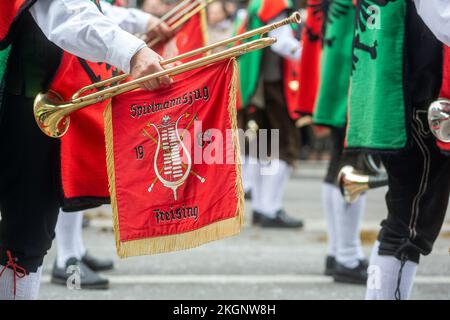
pixel 257 264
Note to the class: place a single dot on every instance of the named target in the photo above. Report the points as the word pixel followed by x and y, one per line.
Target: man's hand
pixel 158 29
pixel 146 62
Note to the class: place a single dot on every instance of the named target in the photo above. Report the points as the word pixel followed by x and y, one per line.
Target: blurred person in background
pixel 262 85
pixel 220 20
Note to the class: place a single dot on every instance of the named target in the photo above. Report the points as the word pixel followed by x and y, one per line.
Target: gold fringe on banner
pixel 215 231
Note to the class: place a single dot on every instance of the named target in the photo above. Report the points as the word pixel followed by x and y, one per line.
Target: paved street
pixel 258 264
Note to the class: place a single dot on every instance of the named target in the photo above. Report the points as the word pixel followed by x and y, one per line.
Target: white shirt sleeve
pixel 80 28
pixel 131 20
pixel 436 15
pixel 287 45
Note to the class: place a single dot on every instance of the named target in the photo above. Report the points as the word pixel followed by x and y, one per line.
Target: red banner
pixel 173 167
pixel 310 61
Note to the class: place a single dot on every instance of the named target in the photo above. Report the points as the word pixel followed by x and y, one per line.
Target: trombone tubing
pixel 134 84
pixel 185 15
pixel 294 18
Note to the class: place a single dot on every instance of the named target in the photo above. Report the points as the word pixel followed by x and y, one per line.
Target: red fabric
pixel 310 61
pixel 9 12
pixel 216 198
pixel 270 9
pixel 445 90
pixel 83 162
pixel 292 87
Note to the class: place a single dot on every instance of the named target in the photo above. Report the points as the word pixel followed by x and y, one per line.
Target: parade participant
pixel 69 239
pixel 397 74
pixel 29 199
pixel 262 84
pixel 345 260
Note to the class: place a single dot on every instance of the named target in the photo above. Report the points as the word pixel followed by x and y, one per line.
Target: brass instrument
pixel 52 114
pixel 353 182
pixel 439 119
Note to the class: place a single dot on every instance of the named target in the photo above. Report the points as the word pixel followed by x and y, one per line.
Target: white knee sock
pixel 69 237
pixel 328 195
pixel 384 276
pixel 257 191
pixel 348 221
pixel 27 288
pixel 249 173
pixel 273 184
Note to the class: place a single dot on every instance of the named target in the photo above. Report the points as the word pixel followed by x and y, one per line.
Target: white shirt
pixel 133 21
pixel 287 45
pixel 80 28
pixel 436 15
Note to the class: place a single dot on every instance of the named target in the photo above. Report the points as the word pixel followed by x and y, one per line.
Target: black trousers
pixel 419 189
pixel 29 202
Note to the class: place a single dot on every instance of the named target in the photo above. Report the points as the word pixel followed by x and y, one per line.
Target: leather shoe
pixel 330 265
pixel 88 278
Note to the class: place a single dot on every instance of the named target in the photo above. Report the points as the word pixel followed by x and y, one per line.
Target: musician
pixel 69 238
pixel 391 120
pixel 262 85
pixel 29 201
pixel 345 260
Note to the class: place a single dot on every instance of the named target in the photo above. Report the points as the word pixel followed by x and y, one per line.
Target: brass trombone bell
pixel 439 119
pixel 352 184
pixel 52 114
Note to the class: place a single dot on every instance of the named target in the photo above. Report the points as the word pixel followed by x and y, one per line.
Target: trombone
pixel 52 114
pixel 353 182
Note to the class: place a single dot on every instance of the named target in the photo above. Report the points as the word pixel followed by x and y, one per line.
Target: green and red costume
pixel 336 65
pixel 382 96
pixel 83 177
pixel 260 13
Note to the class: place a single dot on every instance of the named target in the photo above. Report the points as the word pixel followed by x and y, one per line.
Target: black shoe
pixel 282 220
pixel 248 195
pixel 88 278
pixel 257 216
pixel 86 222
pixel 330 265
pixel 96 264
pixel 364 263
pixel 357 275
